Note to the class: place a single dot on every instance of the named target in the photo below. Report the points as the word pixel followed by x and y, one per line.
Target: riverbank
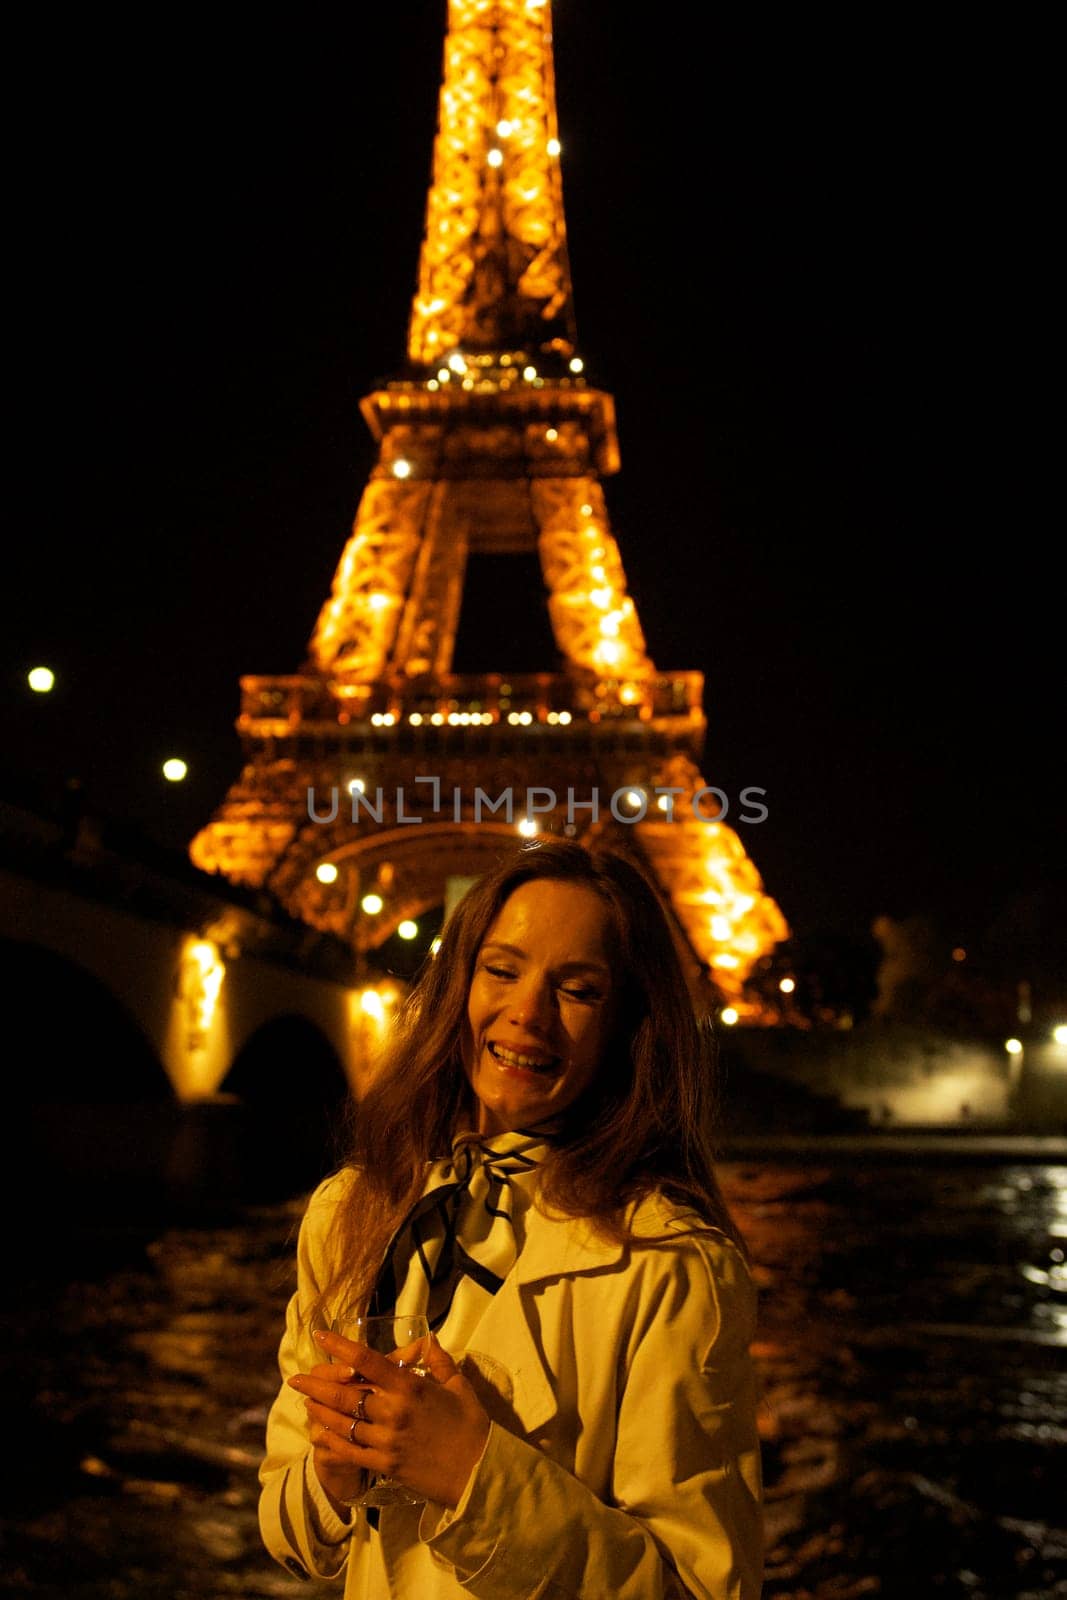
pixel 884 1075
pixel 900 1144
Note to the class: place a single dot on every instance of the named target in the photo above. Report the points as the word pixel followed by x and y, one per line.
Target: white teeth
pixel 511 1058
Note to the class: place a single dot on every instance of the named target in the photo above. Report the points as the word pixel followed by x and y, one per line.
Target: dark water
pixel 914 1412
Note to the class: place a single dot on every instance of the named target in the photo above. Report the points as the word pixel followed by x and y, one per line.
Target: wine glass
pixel 406 1338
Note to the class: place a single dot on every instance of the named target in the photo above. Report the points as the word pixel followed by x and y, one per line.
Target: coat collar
pixel 509 1346
pixel 506 1349
pixel 559 1246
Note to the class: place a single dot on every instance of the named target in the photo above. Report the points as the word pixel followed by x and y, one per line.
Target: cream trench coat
pixel 622 1461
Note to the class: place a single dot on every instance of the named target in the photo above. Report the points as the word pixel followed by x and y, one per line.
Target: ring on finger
pixel 359 1415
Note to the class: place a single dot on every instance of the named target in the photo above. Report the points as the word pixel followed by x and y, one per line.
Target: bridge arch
pixel 94 1110
pixel 82 1045
pixel 293 1093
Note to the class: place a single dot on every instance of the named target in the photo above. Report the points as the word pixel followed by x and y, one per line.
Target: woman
pixel 530 1171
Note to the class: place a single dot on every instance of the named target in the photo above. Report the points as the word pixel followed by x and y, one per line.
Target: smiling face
pixel 541 1004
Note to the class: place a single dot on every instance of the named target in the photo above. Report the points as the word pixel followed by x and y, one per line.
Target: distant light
pixel 553 147
pixel 371 1002
pixel 408 929
pixel 401 468
pixel 729 1016
pixel 357 786
pixel 959 954
pixel 529 373
pixel 203 973
pixel 443 374
pixel 175 770
pixel 1059 1033
pixel 495 157
pixel 633 797
pixel 372 904
pixel 326 872
pixel 1013 1047
pixel 457 363
pixel 504 129
pixel 787 985
pixel 42 680
pixel 528 827
pixel 576 364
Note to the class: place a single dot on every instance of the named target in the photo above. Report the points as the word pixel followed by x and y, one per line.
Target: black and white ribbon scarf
pixel 461 1237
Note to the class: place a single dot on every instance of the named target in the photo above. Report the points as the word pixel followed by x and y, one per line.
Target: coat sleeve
pixel 299 1526
pixel 684 1517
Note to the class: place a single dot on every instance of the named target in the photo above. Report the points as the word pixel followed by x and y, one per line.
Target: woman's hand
pixel 426 1433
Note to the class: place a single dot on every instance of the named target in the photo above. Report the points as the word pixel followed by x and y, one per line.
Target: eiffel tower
pixel 377 774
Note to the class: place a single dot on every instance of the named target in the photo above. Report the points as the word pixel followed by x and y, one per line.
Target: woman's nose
pixel 531 1003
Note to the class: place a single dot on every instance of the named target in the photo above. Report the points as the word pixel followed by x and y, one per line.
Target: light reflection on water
pixel 910 1350
pixel 914 1391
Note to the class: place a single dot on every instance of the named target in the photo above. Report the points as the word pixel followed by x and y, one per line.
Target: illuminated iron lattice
pixel 495 442
pixel 494 253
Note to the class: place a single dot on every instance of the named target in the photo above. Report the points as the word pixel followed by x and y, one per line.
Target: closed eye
pixel 580 992
pixel 498 972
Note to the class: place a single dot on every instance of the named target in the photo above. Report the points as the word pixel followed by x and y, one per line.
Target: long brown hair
pixel 643 1125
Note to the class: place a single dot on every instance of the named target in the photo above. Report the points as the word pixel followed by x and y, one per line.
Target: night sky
pixel 811 261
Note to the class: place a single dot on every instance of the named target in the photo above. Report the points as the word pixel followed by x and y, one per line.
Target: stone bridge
pixel 170 1038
